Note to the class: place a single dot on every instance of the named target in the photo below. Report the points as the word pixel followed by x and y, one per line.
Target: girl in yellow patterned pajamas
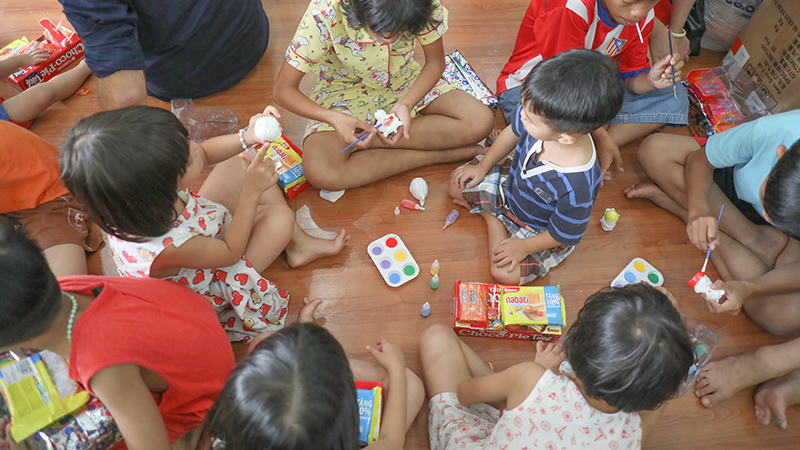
pixel 363 52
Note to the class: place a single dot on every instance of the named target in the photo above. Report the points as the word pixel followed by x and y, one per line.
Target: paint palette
pixel 638 270
pixel 393 260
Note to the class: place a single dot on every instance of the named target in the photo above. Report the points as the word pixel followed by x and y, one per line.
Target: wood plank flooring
pixel 359 307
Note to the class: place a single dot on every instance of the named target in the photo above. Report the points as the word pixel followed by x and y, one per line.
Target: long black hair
pixel 295 391
pixel 629 347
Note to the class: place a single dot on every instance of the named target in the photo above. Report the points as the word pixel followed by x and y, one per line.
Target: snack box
pixel 65 48
pixel 289 165
pixel 475 303
pixel 531 305
pixel 370 399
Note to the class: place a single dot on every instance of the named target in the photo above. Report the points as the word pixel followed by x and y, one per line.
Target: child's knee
pixel 455 191
pixel 503 276
pixel 436 340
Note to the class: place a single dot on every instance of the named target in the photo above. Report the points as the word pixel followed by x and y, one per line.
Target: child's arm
pixel 781 280
pixel 659 76
pixel 11 64
pixel 510 252
pixel 202 252
pixel 505 143
pixel 222 148
pixel 393 424
pixel 701 224
pixel 288 95
pixel 130 402
pixel 428 77
pixel 512 385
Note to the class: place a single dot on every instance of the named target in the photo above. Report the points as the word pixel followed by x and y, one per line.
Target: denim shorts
pixel 658 106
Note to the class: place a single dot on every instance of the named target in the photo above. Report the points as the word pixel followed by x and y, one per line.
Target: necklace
pixel 72 312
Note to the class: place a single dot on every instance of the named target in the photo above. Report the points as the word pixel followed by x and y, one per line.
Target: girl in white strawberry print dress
pixel 132 169
pixel 628 352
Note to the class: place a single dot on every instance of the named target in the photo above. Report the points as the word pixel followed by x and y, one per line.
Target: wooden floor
pixel 359 307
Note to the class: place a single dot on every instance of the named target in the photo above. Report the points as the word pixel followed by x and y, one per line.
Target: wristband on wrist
pixel 679 35
pixel 241 138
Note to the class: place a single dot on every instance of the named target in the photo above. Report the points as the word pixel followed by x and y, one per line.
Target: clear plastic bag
pixel 204 123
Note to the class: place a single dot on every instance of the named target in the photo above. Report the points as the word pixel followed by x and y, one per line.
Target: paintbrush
pixel 359 139
pixel 674 90
pixel 708 252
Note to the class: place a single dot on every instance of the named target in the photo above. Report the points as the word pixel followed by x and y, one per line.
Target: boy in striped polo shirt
pixel 537 203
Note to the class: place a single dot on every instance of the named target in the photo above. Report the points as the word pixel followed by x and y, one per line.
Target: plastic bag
pixel 695 27
pixel 204 123
pixel 725 19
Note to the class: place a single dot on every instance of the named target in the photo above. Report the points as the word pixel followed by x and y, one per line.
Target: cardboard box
pixel 289 165
pixel 65 48
pixel 474 304
pixel 764 62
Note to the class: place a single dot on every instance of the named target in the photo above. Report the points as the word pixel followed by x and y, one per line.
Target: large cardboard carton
pixel 764 62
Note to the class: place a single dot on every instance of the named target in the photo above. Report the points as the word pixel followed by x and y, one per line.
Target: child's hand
pixel 702 232
pixel 669 295
pixel 508 252
pixel 388 355
pixel 403 113
pixel 467 175
pixel 260 174
pixel 6 441
pixel 250 134
pixel 736 293
pixel 34 57
pixel 350 129
pixel 306 314
pixel 660 75
pixel 549 355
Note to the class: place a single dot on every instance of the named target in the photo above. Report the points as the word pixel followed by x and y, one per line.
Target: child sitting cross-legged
pixel 537 205
pixel 629 353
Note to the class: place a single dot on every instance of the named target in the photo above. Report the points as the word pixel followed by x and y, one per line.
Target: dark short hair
pixel 629 347
pixel 124 166
pixel 577 91
pixel 782 193
pixel 31 296
pixel 295 391
pixel 389 16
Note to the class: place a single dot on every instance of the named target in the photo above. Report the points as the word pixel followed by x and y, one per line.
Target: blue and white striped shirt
pixel 548 197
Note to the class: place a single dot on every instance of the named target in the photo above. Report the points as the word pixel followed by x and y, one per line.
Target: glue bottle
pixel 435 282
pixel 609 219
pixel 435 267
pixel 406 203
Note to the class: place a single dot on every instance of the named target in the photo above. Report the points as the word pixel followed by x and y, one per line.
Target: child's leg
pixel 326 168
pixel 774 396
pixel 275 228
pixel 642 114
pixel 371 371
pixel 447 131
pixel 721 380
pixel 30 103
pixel 498 232
pixel 447 361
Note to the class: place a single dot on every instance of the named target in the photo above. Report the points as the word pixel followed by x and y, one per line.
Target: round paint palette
pixel 393 260
pixel 638 270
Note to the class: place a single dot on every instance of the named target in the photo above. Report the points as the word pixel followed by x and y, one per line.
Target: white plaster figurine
pixel 389 123
pixel 702 285
pixel 267 129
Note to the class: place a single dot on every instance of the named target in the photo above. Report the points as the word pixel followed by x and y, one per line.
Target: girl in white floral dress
pixel 132 168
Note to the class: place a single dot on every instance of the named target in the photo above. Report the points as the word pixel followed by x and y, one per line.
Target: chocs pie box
pixel 530 313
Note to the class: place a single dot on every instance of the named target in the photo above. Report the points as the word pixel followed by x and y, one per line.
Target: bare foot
pixel 306 314
pixel 773 396
pixel 305 249
pixel 493 136
pixel 461 203
pixel 650 191
pixel 721 380
pixel 549 355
